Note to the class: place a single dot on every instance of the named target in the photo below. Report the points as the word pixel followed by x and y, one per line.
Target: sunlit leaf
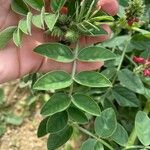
pixel 17 37
pixel 57 103
pixel 86 104
pixel 53 80
pixel 50 20
pixel 92 79
pixel 55 51
pixel 93 53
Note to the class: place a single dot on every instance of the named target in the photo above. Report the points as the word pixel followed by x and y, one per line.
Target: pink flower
pixel 146 72
pixel 139 60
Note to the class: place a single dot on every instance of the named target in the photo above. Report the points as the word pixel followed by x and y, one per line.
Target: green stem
pixel 136 147
pixel 123 55
pixel 133 135
pixel 119 67
pixel 95 137
pixel 74 67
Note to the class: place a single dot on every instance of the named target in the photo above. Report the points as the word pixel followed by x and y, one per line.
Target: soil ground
pixel 21 137
pixel 24 137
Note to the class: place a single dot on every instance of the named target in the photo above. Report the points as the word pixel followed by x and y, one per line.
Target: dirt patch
pixel 23 137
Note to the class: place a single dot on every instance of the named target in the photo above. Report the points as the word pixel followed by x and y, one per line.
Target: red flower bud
pixel 146 72
pixel 132 20
pixel 139 60
pixel 64 10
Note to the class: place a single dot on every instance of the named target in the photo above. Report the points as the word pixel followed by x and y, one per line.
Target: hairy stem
pixel 119 67
pixel 74 67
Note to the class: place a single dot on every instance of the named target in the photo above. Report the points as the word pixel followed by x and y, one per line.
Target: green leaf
pixel 58 139
pixel 131 81
pixel 17 37
pixel 57 103
pixel 92 54
pixel 92 79
pixel 89 29
pixel 53 80
pixel 23 26
pixel 57 122
pixel 99 146
pixel 36 20
pixel 13 119
pixel 106 123
pixel 56 5
pixel 116 41
pixel 125 97
pixel 89 144
pixel 19 7
pixel 146 80
pixel 36 4
pixel 42 128
pixel 50 20
pixel 120 136
pixel 1 96
pixel 29 22
pixel 142 127
pixel 86 104
pixel 102 18
pixel 109 72
pixel 77 115
pixel 6 35
pixel 55 51
pixel 92 144
pixel 140 42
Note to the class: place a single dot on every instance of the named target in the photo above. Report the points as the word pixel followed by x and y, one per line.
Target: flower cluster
pixel 144 65
pixel 134 11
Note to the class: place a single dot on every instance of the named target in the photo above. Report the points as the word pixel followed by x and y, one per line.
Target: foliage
pixel 111 107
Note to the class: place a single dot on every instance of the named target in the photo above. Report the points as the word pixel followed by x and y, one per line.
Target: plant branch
pixel 74 67
pixel 137 146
